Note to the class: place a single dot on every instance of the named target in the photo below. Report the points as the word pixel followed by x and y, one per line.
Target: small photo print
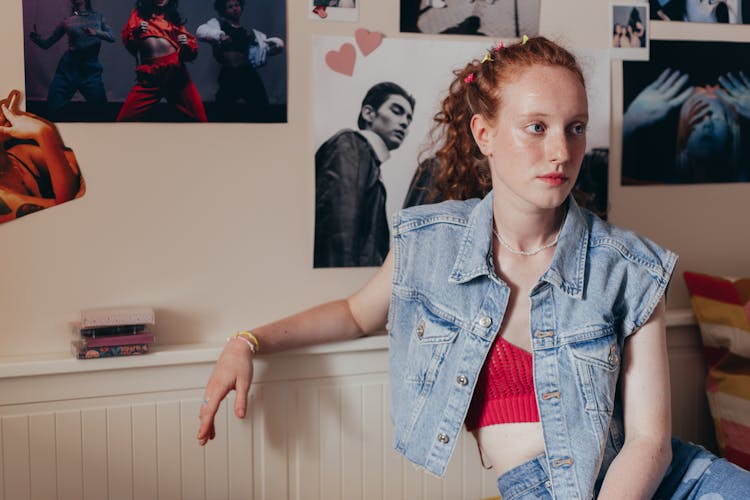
pixel 495 18
pixel 629 29
pixel 702 11
pixel 334 10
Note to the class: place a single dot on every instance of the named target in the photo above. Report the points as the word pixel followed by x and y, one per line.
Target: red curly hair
pixel 463 171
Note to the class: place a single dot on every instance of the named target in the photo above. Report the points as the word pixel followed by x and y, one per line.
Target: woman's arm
pixel 14 205
pixel 46 43
pixel 641 464
pixel 363 313
pixel 104 32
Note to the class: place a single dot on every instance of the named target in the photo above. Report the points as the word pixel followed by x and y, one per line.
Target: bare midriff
pixel 504 446
pixel 234 59
pixel 154 46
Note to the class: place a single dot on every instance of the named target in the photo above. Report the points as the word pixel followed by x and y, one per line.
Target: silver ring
pixel 204 402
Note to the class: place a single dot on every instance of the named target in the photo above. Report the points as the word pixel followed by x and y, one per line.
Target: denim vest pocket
pixel 597 362
pixel 428 346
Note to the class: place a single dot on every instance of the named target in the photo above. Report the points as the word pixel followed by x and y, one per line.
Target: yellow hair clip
pixel 524 40
pixel 487 57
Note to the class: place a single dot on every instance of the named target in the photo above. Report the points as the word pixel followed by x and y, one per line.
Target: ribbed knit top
pixel 505 390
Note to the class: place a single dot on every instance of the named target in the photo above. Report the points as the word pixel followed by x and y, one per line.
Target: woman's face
pixel 536 144
pixel 709 130
pixel 233 10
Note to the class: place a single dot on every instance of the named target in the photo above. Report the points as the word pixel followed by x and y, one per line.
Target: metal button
pixel 420 330
pixel 485 321
pixel 612 355
pixel 443 438
pixel 559 462
pixel 544 334
pixel 462 380
pixel 547 483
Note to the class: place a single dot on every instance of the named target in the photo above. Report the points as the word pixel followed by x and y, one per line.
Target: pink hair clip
pixel 469 78
pixel 500 46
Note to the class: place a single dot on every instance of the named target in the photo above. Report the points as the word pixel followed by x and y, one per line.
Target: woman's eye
pixel 535 128
pixel 579 129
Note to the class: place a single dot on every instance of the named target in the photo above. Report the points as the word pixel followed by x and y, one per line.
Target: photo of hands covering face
pixel 702 11
pixel 686 113
pixel 36 170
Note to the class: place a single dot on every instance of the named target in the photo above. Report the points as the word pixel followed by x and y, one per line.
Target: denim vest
pixel 447 305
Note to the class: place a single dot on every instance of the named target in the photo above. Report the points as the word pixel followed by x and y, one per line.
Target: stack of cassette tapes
pixel 124 331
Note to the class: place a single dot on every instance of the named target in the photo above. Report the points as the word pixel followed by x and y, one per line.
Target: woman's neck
pixel 526 228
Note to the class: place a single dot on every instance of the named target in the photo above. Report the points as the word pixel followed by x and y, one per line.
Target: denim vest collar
pixel 566 271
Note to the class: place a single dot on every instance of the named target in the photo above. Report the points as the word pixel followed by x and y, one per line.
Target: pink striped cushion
pixel 722 307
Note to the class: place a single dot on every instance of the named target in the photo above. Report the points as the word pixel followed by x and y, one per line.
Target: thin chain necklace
pixel 528 253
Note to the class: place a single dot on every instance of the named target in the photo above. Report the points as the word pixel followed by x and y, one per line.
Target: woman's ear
pixel 482 133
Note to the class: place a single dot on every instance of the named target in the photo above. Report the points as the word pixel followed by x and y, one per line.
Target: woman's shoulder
pixel 453 212
pixel 628 244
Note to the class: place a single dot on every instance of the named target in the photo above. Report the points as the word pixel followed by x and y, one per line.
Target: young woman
pixel 155 34
pixel 522 316
pixel 239 51
pixel 79 69
pixel 36 170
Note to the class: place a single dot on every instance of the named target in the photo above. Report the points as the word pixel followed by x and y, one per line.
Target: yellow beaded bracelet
pixel 251 337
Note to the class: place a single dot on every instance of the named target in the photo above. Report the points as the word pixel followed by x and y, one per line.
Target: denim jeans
pixel 694 473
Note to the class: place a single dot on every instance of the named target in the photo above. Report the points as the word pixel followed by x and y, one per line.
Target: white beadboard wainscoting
pixel 318 427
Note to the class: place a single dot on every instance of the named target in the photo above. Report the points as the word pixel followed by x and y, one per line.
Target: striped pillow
pixel 722 307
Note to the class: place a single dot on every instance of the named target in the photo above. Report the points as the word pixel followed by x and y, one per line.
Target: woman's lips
pixel 554 179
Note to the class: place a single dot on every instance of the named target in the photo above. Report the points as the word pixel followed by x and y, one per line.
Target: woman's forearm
pixel 329 322
pixel 65 182
pixel 638 469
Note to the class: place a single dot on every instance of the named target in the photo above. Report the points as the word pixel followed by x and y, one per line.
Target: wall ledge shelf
pixel 183 354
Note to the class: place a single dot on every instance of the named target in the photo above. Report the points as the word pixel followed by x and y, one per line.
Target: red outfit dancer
pixel 163 76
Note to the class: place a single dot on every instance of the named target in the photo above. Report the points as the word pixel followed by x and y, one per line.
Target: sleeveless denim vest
pixel 447 305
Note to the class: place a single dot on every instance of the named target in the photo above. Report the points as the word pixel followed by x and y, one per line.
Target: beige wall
pixel 213 225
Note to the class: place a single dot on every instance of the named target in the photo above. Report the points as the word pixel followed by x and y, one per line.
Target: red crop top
pixel 505 390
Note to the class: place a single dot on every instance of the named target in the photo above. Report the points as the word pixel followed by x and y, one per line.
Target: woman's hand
pixel 735 91
pixel 142 27
pixel 20 125
pixel 656 100
pixel 34 35
pixel 233 371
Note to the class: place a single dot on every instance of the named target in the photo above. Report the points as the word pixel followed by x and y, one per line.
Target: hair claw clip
pixel 500 46
pixel 524 40
pixel 469 78
pixel 487 57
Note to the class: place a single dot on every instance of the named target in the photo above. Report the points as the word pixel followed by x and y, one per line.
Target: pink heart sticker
pixel 367 40
pixel 342 60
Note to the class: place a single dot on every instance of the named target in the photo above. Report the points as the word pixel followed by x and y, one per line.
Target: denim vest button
pixel 559 462
pixel 485 321
pixel 462 380
pixel 420 330
pixel 547 483
pixel 443 438
pixel 612 356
